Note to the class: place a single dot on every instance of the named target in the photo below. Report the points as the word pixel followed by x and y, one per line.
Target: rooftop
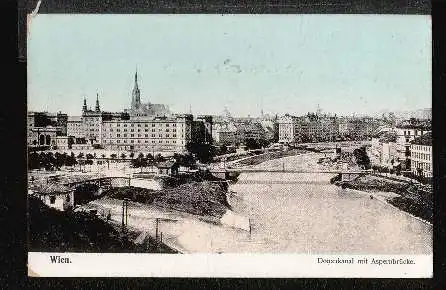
pixel 51 188
pixel 425 140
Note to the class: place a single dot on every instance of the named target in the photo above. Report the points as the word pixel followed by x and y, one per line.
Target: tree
pixel 80 155
pixel 223 149
pixel 361 157
pixel 203 152
pixel 113 156
pixel 159 158
pixel 251 144
pixel 123 156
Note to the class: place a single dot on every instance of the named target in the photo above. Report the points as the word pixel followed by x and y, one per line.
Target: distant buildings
pixel 143 127
pixel 308 128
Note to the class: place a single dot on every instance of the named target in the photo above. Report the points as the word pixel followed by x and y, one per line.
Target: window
pixel 146 130
pixel 167 130
pixel 68 198
pixel 131 141
pixel 119 141
pixel 153 125
pixel 132 130
pixel 125 135
pixel 125 130
pixel 146 125
pixel 160 135
pixel 146 135
pixel 139 130
pixel 139 125
pixel 132 125
pixel 153 130
pixel 132 135
pixel 52 199
pixel 118 135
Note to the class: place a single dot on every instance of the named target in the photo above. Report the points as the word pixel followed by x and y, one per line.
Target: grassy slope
pixel 54 231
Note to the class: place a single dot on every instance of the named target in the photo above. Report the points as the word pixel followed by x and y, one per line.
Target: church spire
pixel 98 109
pixel 136 99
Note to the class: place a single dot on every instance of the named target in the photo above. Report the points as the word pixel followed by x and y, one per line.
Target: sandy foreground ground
pixel 181 231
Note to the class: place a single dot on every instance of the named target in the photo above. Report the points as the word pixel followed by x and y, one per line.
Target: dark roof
pixel 51 188
pixel 388 137
pixel 425 140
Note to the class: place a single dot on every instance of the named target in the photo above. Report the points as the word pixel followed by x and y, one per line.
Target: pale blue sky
pixel 288 63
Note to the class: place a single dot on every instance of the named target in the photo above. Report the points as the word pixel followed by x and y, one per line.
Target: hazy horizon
pixel 362 64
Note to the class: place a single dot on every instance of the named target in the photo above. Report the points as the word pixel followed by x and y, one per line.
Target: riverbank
pixel 267 156
pixel 206 198
pixel 409 198
pixel 56 231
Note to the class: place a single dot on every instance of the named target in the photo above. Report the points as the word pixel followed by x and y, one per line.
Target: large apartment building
pixel 157 134
pixel 308 128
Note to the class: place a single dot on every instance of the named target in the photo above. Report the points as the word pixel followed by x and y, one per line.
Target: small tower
pixel 98 108
pixel 84 107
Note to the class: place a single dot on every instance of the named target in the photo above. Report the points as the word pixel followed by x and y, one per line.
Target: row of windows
pixel 141 125
pixel 140 141
pixel 140 130
pixel 141 135
pixel 425 166
pixel 422 147
pixel 422 156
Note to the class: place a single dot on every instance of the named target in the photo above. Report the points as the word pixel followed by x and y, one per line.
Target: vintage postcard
pixel 229 145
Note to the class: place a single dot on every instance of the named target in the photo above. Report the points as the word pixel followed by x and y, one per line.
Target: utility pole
pixel 124 213
pixel 156 229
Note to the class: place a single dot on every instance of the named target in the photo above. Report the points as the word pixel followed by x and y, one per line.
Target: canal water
pixel 292 213
pixel 304 213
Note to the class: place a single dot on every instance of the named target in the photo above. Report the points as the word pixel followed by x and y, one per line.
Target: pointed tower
pixel 136 98
pixel 84 107
pixel 98 109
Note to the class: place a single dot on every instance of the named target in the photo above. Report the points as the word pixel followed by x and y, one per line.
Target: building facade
pixel 157 134
pixel 407 132
pixel 421 155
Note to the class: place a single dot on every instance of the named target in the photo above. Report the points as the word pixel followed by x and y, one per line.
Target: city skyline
pixel 246 63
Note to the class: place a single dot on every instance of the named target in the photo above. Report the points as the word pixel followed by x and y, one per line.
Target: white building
pixel 56 196
pixel 148 134
pixel 75 127
pixel 288 129
pixel 407 132
pixel 421 155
